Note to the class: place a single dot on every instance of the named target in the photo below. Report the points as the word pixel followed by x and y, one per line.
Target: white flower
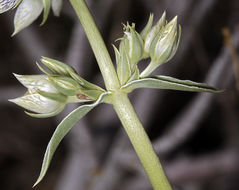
pixel 42 97
pixel 29 10
pixel 37 103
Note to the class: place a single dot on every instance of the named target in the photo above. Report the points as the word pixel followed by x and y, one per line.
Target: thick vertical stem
pixel 120 101
pixel 102 56
pixel 140 142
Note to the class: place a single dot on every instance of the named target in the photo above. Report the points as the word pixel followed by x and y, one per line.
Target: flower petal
pixel 36 82
pixel 6 5
pixel 26 13
pixel 56 6
pixel 37 103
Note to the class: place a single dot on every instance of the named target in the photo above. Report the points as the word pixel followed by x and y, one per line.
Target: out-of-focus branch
pixel 31 45
pixel 235 59
pixel 187 121
pixel 201 169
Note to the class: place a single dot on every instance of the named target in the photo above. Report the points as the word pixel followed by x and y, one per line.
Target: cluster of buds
pixel 158 42
pixel 48 93
pixel 29 10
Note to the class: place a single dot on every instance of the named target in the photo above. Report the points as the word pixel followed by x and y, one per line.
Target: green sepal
pixel 135 75
pixel 85 83
pixel 165 82
pixel 152 34
pixel 148 27
pixel 94 94
pixel 123 66
pixel 176 42
pixel 65 85
pixel 62 129
pixel 46 115
pixel 47 7
pixel 53 96
pixel 42 69
pixel 57 67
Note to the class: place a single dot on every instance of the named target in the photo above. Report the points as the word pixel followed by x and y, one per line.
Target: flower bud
pixel 165 44
pixel 132 44
pixel 149 35
pixel 65 85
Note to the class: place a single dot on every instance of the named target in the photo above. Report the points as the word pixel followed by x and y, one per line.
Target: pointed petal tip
pixel 14 33
pixel 17 76
pixel 36 183
pixel 11 100
pixel 151 14
pixel 175 19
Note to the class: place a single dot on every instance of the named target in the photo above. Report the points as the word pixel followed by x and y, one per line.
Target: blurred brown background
pixel 196 135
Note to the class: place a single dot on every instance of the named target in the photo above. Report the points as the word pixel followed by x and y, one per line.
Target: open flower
pixel 42 97
pixel 29 10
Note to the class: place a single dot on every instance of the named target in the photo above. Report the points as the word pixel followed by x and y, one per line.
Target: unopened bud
pixel 132 44
pixel 165 44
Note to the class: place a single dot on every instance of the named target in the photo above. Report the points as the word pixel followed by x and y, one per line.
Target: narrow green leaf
pixel 165 82
pixel 47 7
pixel 62 129
pixel 26 13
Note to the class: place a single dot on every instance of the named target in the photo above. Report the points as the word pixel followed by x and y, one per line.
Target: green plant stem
pixel 120 101
pixel 140 142
pixel 97 44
